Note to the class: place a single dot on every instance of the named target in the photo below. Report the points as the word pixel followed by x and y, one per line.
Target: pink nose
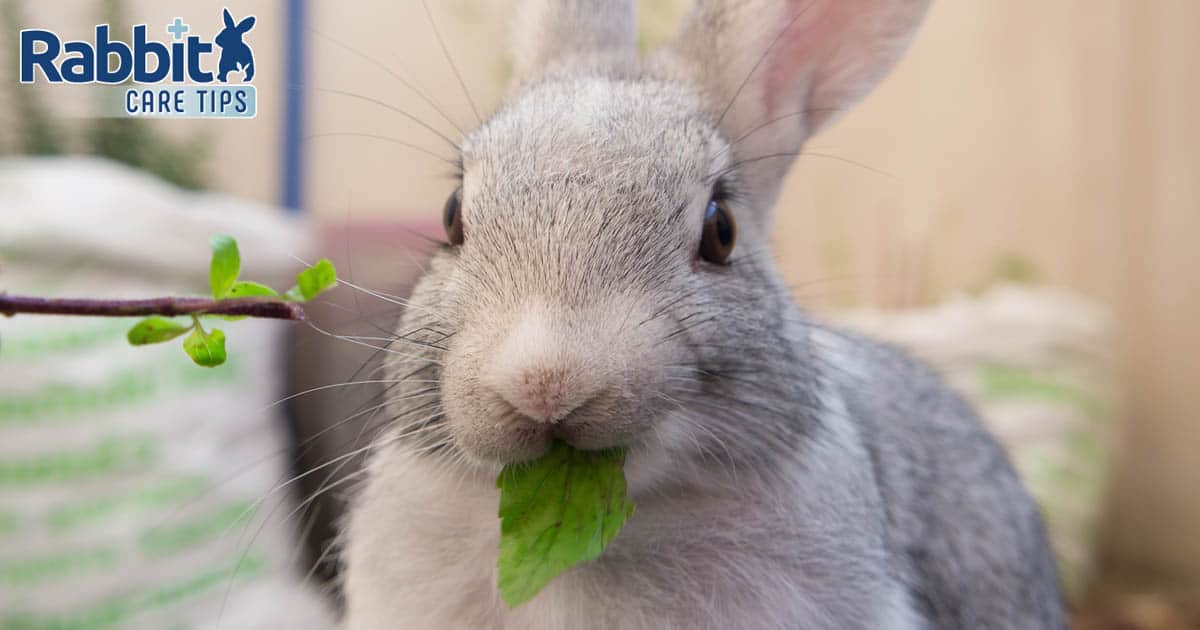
pixel 543 393
pixel 542 372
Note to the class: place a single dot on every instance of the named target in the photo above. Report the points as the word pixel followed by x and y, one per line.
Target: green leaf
pixel 206 349
pixel 245 288
pixel 316 279
pixel 557 512
pixel 225 265
pixel 155 330
pixel 294 295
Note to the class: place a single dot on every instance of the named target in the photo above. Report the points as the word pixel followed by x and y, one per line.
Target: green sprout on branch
pixel 207 347
pixel 232 299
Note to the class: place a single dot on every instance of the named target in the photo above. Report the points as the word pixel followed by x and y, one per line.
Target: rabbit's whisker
pixel 320 388
pixel 383 104
pixel 753 130
pixel 792 154
pixel 381 138
pixel 254 506
pixel 386 298
pixel 395 75
pixel 450 60
pixel 345 338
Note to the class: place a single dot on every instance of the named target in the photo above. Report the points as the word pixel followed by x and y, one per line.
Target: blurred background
pixel 1017 203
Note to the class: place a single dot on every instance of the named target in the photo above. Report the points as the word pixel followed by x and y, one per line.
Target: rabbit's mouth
pixel 511 436
pixel 588 436
pixel 599 424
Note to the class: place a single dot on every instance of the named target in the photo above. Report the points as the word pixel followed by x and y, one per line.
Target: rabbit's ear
pixel 228 18
pixel 573 36
pixel 776 71
pixel 246 24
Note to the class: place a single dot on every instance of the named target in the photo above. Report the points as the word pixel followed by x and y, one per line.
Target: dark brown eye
pixel 720 232
pixel 452 218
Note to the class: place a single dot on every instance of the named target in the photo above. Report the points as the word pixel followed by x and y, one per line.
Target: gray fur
pixel 787 475
pixel 557 38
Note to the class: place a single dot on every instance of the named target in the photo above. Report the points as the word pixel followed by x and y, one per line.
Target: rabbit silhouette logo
pixel 236 54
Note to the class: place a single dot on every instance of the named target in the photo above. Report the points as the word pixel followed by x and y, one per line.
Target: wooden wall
pixel 1064 134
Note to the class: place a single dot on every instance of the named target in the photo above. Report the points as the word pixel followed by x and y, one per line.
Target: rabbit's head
pixel 607 279
pixel 231 36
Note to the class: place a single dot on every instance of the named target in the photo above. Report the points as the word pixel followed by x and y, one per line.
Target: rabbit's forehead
pixel 618 133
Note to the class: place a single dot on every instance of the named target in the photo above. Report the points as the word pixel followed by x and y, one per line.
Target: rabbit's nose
pixel 545 393
pixel 540 373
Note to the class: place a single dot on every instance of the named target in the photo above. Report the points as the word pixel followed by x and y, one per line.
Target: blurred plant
pixel 35 130
pixel 232 299
pixel 657 22
pixel 1014 268
pixel 132 141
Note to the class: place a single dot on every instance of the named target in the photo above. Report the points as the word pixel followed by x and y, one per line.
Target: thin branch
pixel 265 307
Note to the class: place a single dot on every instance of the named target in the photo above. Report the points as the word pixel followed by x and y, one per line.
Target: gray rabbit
pixel 607 280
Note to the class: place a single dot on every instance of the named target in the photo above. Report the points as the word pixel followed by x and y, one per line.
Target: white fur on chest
pixel 422 543
pixel 422 553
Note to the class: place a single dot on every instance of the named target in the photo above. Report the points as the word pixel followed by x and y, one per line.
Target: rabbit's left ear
pixel 228 18
pixel 774 72
pixel 573 36
pixel 246 24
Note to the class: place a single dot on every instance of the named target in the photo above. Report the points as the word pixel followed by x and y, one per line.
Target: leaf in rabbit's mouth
pixel 555 513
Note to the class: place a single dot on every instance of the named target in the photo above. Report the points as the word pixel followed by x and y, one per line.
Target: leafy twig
pixel 231 299
pixel 264 307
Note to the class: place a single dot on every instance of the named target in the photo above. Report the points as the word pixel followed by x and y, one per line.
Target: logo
pixel 235 54
pixel 175 78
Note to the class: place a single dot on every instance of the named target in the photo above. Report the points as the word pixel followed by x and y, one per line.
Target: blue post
pixel 295 64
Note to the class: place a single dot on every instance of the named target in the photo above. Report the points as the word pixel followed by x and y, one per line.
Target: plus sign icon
pixel 187 75
pixel 177 29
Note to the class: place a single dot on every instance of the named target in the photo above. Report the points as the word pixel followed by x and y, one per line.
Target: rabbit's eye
pixel 720 232
pixel 452 218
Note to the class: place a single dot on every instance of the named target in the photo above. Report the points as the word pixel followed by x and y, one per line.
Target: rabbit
pixel 607 280
pixel 236 55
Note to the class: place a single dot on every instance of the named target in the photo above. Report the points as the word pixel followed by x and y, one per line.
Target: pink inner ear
pixel 800 58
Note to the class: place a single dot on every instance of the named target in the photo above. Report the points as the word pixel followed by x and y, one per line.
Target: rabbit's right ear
pixel 573 36
pixel 773 72
pixel 229 23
